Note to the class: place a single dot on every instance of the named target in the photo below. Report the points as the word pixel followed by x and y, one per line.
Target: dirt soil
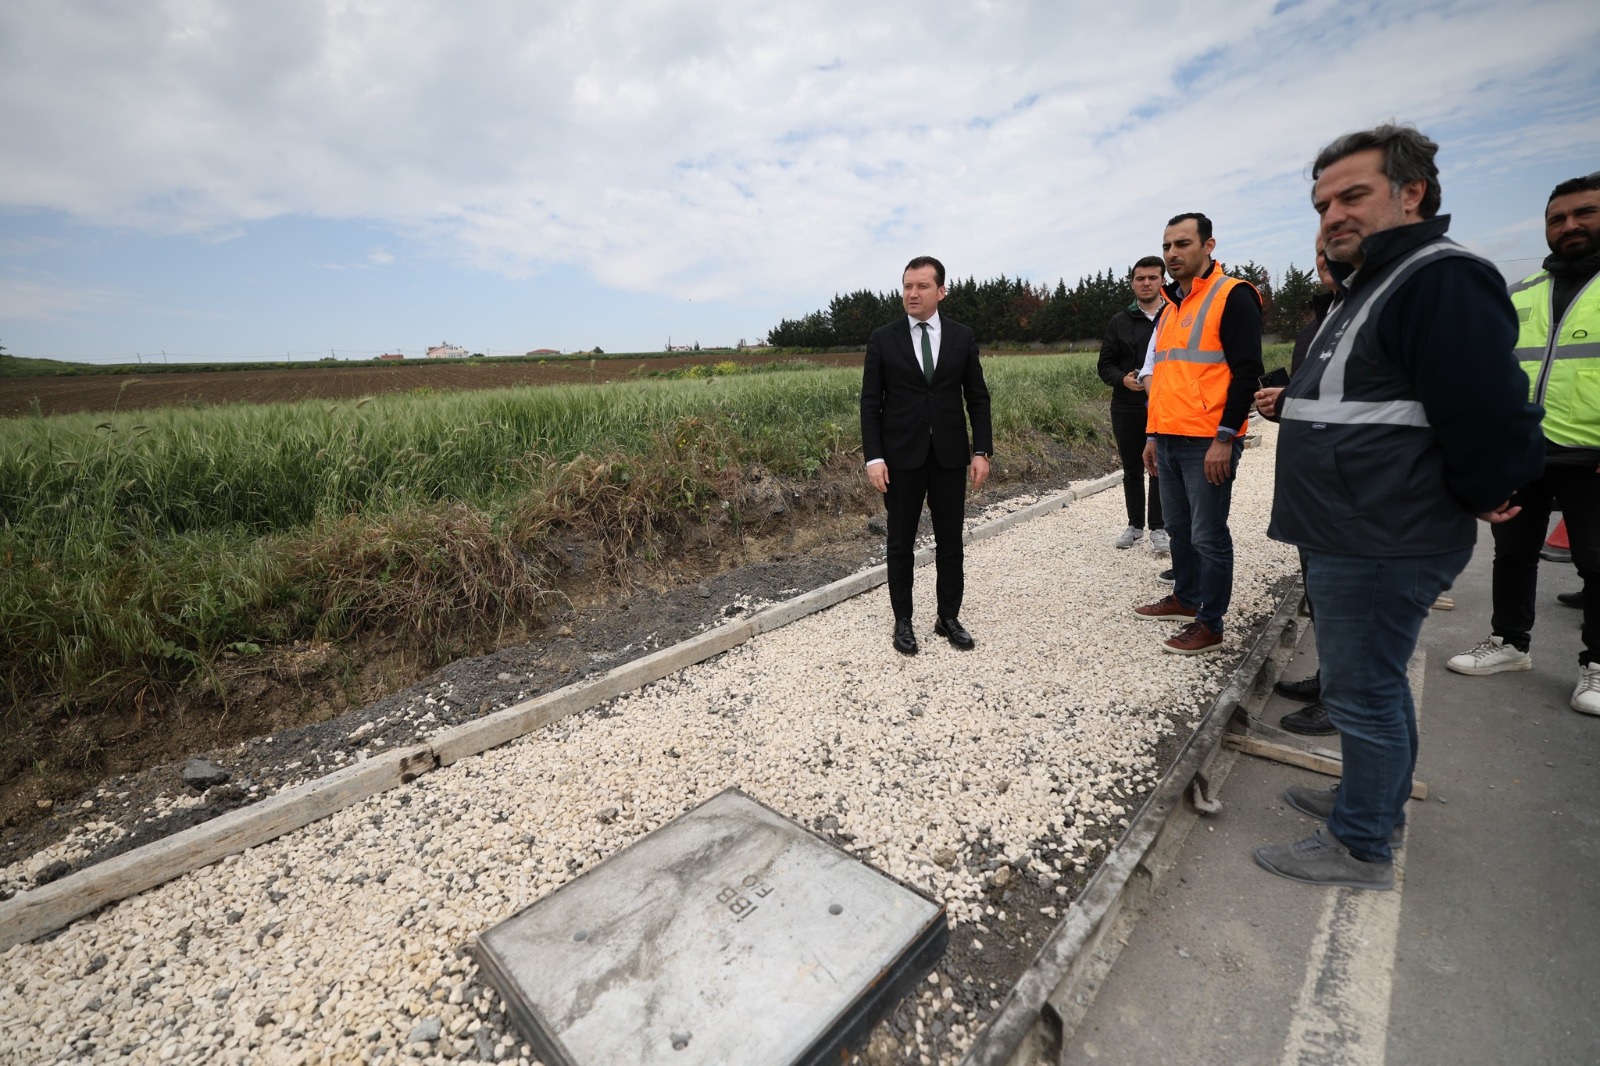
pixel 138 392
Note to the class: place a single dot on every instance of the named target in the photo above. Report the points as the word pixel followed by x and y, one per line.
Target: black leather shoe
pixel 905 637
pixel 952 630
pixel 1571 599
pixel 1309 721
pixel 1305 691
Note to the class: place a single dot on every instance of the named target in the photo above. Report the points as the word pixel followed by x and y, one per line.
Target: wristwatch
pixel 1224 437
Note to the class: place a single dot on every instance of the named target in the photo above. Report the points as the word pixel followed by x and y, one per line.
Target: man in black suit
pixel 919 371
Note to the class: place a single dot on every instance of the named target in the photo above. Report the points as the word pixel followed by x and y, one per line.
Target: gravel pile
pixel 994 780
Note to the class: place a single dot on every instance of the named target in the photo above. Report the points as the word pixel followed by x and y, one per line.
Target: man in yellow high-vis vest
pixel 1558 347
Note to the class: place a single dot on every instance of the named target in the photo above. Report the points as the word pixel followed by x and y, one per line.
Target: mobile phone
pixel 1278 379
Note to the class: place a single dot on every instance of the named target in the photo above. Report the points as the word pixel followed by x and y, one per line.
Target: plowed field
pixel 106 392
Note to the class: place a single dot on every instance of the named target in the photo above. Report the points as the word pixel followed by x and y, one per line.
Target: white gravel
pixel 345 941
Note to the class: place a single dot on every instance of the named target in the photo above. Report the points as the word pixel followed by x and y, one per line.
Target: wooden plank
pixel 1045 506
pixel 655 666
pixel 491 731
pixel 34 913
pixel 1283 753
pixel 1099 484
pixel 792 610
pixel 1016 518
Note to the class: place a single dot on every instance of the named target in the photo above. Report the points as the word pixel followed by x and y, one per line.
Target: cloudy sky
pixel 242 179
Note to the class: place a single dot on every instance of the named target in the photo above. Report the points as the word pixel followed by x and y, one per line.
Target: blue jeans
pixel 1369 613
pixel 1196 513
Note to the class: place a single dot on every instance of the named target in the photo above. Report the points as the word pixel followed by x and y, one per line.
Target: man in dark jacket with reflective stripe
pixel 1409 417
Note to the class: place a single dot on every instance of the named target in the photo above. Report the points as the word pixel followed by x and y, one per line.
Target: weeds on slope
pixel 135 551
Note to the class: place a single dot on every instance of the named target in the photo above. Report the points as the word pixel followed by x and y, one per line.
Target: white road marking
pixel 1342 1017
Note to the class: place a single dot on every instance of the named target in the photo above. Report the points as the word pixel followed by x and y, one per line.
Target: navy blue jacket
pixel 1410 415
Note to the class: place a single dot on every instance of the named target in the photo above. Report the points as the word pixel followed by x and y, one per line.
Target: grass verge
pixel 136 551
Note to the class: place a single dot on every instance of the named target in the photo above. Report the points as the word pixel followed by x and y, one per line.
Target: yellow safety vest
pixel 1562 364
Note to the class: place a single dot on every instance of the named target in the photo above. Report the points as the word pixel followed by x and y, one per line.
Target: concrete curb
pixel 32 914
pixel 1041 1011
pixel 45 909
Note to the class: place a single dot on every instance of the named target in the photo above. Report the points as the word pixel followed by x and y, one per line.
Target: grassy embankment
pixel 136 549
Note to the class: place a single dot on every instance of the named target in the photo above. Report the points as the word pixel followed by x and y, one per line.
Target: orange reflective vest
pixel 1189 386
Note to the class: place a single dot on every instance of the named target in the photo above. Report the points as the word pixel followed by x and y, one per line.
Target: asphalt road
pixel 1487 952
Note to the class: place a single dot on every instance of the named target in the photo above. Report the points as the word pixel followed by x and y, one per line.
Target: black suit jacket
pixel 903 416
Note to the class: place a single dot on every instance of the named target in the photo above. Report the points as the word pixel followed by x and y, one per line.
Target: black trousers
pixel 1576 490
pixel 1127 426
pixel 945 491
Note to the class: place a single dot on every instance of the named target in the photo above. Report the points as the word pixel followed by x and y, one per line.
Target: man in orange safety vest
pixel 1206 364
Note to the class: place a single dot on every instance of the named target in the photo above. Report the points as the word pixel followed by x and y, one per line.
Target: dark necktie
pixel 927 354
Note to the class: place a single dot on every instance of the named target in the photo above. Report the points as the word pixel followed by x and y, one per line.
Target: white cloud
pixel 25 298
pixel 27 247
pixel 713 150
pixel 376 257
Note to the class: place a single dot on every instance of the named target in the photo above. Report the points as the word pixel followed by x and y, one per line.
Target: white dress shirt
pixel 1149 368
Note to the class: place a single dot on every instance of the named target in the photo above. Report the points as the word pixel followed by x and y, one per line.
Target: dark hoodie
pixel 1122 352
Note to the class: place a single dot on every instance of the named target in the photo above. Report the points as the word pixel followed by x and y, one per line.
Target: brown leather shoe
pixel 1166 607
pixel 1196 638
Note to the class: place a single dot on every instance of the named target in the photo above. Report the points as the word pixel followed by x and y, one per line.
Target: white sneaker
pixel 1130 536
pixel 1494 656
pixel 1160 543
pixel 1586 697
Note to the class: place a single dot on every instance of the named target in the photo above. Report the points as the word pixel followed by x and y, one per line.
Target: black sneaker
pixel 1571 599
pixel 1309 721
pixel 1306 690
pixel 1167 576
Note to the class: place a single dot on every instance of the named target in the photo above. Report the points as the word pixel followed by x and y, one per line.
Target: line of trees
pixel 1013 310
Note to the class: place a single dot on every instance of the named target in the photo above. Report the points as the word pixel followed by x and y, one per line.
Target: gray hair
pixel 1407 157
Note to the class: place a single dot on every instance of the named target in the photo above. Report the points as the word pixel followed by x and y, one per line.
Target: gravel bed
pixel 993 780
pixel 127 811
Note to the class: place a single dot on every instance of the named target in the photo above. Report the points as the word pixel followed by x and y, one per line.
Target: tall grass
pixel 134 548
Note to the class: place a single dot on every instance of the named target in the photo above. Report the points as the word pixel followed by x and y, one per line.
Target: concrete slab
pixel 728 935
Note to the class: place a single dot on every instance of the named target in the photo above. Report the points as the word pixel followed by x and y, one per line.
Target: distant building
pixel 446 351
pixel 391 355
pixel 545 351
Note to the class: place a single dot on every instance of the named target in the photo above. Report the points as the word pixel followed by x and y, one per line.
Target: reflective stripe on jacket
pixel 1563 364
pixel 1189 387
pixel 1360 470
